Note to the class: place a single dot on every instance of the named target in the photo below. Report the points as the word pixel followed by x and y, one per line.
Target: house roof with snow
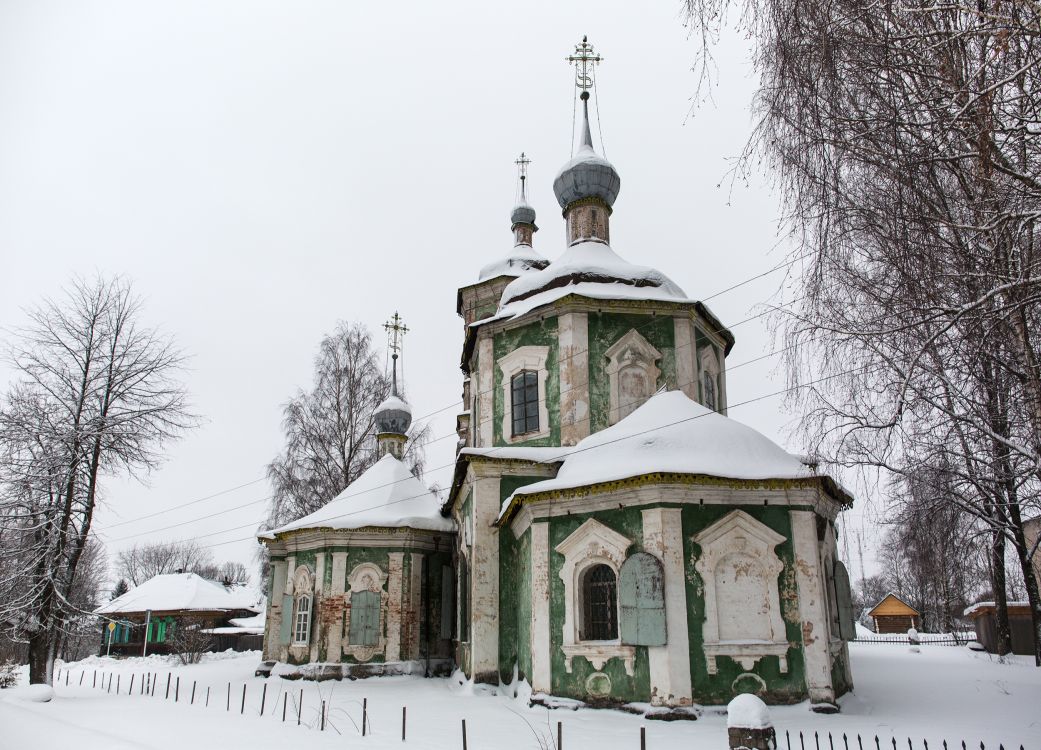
pixel 182 592
pixel 891 604
pixel 670 433
pixel 386 495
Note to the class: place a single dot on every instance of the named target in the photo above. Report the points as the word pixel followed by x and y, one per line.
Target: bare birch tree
pixel 329 429
pixel 904 136
pixel 95 394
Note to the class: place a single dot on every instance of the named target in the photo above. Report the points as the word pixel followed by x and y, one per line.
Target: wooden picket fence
pixel 848 742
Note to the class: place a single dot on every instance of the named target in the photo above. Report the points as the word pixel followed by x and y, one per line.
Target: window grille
pixel 525 398
pixel 600 600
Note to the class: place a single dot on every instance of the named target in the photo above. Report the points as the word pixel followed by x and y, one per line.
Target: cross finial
pixel 585 61
pixel 396 330
pixel 522 171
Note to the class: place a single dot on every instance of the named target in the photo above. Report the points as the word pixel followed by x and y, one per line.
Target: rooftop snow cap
pixel 393 416
pixel 587 175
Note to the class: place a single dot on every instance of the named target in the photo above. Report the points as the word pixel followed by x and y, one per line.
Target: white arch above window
pixel 531 358
pixel 632 374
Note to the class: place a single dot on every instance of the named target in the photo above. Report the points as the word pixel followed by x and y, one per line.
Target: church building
pixel 610 534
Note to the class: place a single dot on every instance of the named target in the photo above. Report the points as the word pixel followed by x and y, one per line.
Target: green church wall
pixel 719 688
pixel 514 591
pixel 604 330
pixel 540 333
pixel 624 688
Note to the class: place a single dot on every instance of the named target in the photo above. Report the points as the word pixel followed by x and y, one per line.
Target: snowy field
pixel 940 693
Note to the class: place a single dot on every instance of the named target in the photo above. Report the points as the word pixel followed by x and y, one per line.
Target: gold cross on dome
pixel 585 61
pixel 396 330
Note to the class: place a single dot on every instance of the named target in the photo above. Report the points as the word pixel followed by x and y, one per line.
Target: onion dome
pixel 587 175
pixel 522 213
pixel 393 416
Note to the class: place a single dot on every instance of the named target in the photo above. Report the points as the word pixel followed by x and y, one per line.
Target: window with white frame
pixel 525 415
pixel 599 604
pixel 524 402
pixel 302 620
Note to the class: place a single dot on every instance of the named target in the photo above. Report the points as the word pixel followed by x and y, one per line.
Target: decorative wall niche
pixel 632 374
pixel 739 570
pixel 590 544
pixel 711 385
pixel 367 577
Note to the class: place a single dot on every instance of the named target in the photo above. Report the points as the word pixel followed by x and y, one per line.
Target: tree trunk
pixel 41 657
pixel 1033 595
pixel 1003 637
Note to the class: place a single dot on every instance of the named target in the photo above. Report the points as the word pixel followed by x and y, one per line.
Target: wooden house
pixel 1020 624
pixel 894 615
pixel 153 611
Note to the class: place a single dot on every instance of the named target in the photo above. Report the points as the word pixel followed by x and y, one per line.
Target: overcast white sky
pixel 260 170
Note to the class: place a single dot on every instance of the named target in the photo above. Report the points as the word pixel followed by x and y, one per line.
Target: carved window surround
pixel 708 364
pixel 631 353
pixel 524 358
pixel 739 535
pixel 302 585
pixel 366 577
pixel 590 544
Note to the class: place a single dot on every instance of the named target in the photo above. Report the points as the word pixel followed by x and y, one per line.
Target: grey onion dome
pixel 587 175
pixel 393 416
pixel 522 213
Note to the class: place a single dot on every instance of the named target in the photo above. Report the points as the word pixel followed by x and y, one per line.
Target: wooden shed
pixel 894 615
pixel 1020 623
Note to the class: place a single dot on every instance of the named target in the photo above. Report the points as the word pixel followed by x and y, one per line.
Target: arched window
pixel 302 620
pixel 524 389
pixel 600 604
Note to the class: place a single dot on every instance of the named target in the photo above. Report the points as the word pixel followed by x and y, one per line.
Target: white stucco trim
pixel 669 664
pixel 573 338
pixel 395 564
pixel 686 369
pixel 812 609
pixel 590 544
pixel 738 533
pixel 334 628
pixel 524 358
pixel 631 351
pixel 484 393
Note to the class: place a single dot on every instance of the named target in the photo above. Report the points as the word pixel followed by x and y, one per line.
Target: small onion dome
pixel 588 175
pixel 522 213
pixel 393 416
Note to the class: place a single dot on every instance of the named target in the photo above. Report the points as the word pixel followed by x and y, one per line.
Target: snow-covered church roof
pixel 386 495
pixel 520 260
pixel 591 269
pixel 670 433
pixel 182 591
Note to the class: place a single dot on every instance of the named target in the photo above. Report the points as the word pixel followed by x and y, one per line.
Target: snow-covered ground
pixel 939 693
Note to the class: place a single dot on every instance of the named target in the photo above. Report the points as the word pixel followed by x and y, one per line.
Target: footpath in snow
pixel 940 693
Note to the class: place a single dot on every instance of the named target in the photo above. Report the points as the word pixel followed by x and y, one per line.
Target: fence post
pixel 109 690
pixel 285 697
pixel 322 715
pixel 464 734
pixel 130 691
pixel 403 723
pixel 81 678
pixel 95 678
pixel 168 677
pixel 643 738
pixel 364 714
pixel 300 707
pixel 207 697
pixel 560 737
pixel 749 724
pixel 192 701
pixel 117 683
pixel 263 699
pixel 177 690
pixel 243 711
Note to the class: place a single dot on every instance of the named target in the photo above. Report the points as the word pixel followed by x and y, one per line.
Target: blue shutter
pixel 285 630
pixel 641 599
pixel 844 600
pixel 365 618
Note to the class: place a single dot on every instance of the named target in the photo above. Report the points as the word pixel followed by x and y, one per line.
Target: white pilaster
pixel 336 590
pixel 485 381
pixel 484 581
pixel 669 664
pixel 573 361
pixel 812 614
pixel 316 605
pixel 395 565
pixel 415 604
pixel 686 371
pixel 541 672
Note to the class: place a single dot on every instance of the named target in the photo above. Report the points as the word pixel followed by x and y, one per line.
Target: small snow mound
pixel 748 711
pixel 34 694
pixel 975 646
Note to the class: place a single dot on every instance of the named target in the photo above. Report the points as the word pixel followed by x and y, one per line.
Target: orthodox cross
pixel 396 330
pixel 522 170
pixel 585 61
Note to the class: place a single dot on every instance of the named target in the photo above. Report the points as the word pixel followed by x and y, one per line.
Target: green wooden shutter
pixel 285 630
pixel 844 600
pixel 641 598
pixel 365 618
